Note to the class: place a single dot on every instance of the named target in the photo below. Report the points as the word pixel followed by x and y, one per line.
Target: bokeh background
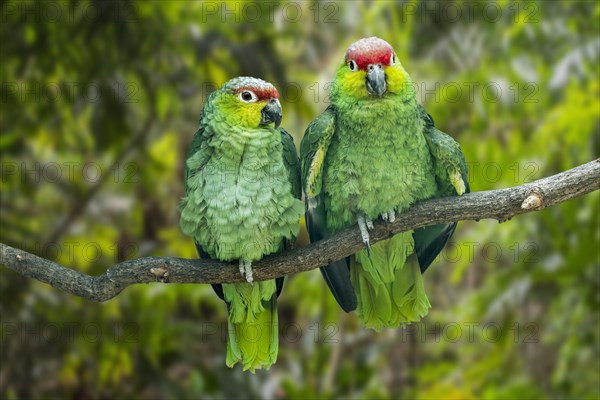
pixel 99 101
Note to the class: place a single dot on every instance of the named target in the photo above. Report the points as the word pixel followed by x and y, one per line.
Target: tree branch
pixel 495 204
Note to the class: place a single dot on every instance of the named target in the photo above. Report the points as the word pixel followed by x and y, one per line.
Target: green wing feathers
pixel 313 150
pixel 451 174
pixel 292 163
pixel 448 159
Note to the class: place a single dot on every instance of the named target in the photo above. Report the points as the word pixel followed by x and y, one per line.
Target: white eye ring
pixel 248 96
pixel 393 59
pixel 353 66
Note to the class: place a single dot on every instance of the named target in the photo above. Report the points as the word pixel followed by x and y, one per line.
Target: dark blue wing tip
pixel 337 277
pixel 427 249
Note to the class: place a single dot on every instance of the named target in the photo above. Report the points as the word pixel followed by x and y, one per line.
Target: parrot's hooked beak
pixel 271 113
pixel 376 85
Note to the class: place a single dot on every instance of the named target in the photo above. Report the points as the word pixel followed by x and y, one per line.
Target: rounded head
pixel 370 69
pixel 367 51
pixel 249 102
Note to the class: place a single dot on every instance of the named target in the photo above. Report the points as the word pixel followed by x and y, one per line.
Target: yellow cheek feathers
pixel 353 83
pixel 249 114
pixel 397 79
pixel 238 113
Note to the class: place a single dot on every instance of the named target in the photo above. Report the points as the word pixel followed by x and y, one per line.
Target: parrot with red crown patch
pixel 373 153
pixel 241 203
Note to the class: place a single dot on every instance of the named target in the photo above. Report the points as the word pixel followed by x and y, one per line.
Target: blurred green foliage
pixel 100 100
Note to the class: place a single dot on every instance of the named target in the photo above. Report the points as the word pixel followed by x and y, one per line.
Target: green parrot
pixel 242 202
pixel 374 152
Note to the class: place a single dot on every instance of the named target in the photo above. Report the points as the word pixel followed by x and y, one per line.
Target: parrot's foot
pixel 364 224
pixel 246 270
pixel 389 216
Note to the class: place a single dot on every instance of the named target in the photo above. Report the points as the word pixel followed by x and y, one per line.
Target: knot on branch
pixel 534 201
pixel 161 273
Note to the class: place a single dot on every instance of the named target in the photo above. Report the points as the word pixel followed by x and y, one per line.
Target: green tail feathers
pixel 252 324
pixel 389 290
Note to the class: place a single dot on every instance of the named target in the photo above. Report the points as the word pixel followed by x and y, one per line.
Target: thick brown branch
pixel 496 204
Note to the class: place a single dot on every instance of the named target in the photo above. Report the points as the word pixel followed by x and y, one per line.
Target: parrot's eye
pixel 353 66
pixel 393 59
pixel 247 96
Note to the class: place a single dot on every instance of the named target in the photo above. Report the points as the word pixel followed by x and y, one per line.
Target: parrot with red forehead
pixel 242 202
pixel 373 153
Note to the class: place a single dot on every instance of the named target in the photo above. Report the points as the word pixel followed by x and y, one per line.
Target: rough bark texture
pixel 495 204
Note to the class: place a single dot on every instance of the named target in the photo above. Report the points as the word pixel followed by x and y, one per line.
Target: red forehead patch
pixel 369 51
pixel 263 90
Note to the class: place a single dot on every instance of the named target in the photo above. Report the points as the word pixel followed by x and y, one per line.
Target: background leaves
pixel 99 101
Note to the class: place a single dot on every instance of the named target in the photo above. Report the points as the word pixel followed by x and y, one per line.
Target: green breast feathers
pixel 239 202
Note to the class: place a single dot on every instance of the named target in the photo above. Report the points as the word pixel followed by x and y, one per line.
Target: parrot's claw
pixel 364 224
pixel 246 271
pixel 389 216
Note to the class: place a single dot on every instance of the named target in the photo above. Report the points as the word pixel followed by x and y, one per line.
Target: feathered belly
pixel 243 213
pixel 374 179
